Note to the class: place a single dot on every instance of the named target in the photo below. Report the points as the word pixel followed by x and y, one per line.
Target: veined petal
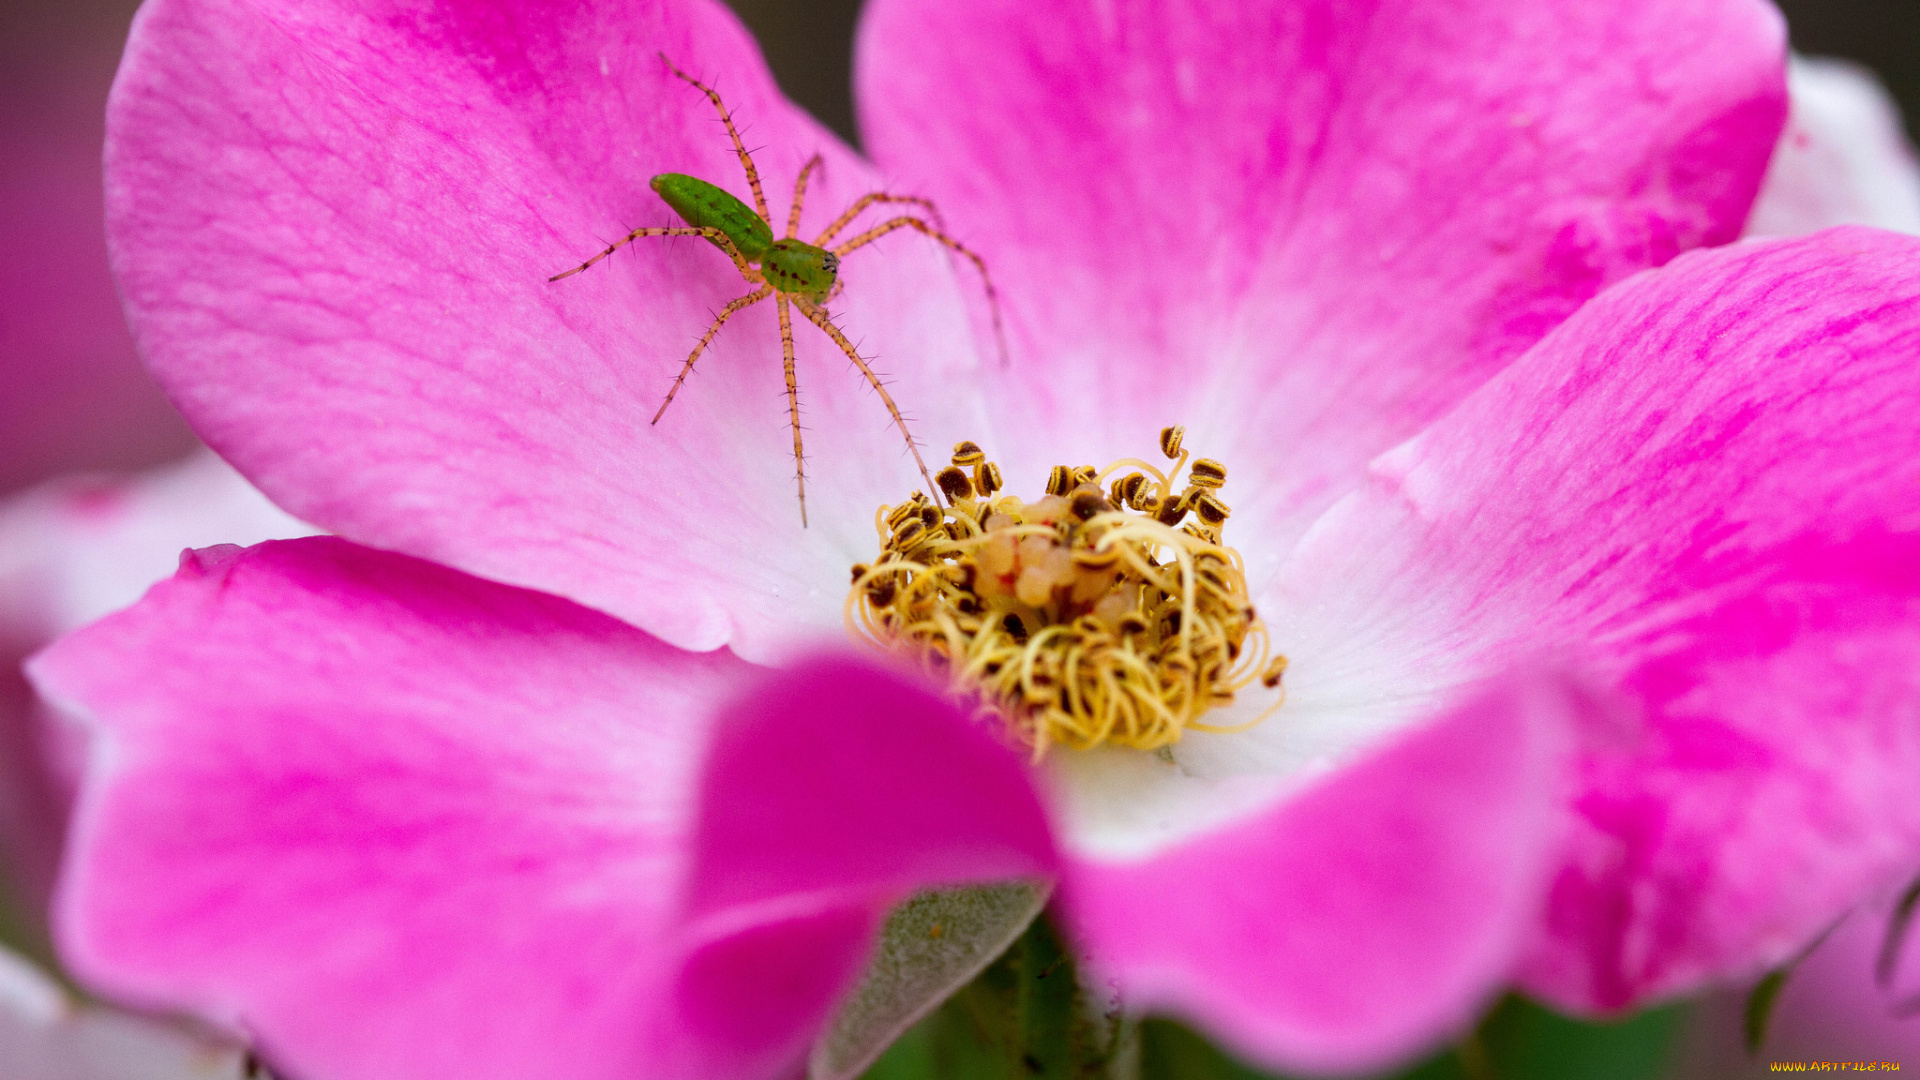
pixel 1305 228
pixel 1366 917
pixel 394 821
pixel 1703 487
pixel 334 226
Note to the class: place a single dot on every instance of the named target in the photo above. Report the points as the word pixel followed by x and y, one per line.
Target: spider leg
pixel 793 401
pixel 708 231
pixel 896 224
pixel 871 198
pixel 719 321
pixel 800 195
pixel 818 317
pixel 740 148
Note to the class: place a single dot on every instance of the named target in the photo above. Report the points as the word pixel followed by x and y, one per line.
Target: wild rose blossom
pixel 1664 529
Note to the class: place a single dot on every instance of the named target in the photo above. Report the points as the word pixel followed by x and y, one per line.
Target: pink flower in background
pixel 1642 555
pixel 1832 1008
pixel 45 1035
pixel 72 550
pixel 1842 160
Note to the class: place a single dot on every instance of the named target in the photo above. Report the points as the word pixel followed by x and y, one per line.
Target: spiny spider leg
pixel 793 401
pixel 720 320
pixel 740 148
pixel 708 231
pixel 871 198
pixel 894 224
pixel 800 195
pixel 818 317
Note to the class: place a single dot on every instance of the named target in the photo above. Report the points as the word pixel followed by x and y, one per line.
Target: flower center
pixel 1094 615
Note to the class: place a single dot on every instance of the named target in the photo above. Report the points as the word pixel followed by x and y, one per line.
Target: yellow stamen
pixel 1077 622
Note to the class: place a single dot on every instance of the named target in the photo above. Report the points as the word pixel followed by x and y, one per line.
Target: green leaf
pixel 1518 1040
pixel 1527 1041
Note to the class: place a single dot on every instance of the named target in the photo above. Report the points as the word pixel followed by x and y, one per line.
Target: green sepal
pixel 1898 924
pixel 1026 1016
pixel 1758 1014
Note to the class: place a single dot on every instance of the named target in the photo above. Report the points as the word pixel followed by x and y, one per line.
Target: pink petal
pixel 1363 920
pixel 1703 487
pixel 832 807
pixel 1306 227
pixel 399 822
pixel 867 812
pixel 334 228
pixel 1843 159
pixel 72 392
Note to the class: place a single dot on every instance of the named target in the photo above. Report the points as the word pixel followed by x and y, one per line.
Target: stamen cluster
pixel 1096 614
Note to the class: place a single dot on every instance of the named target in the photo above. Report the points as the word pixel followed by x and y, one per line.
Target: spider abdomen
pixel 702 205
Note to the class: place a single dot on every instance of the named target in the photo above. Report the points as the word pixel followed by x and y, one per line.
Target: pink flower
pixel 71 551
pixel 1843 159
pixel 44 1035
pixel 1834 1007
pixel 1596 598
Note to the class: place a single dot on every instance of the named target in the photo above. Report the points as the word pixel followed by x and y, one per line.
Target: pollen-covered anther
pixel 1090 616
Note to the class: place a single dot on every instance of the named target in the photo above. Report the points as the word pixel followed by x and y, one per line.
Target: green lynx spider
pixel 794 273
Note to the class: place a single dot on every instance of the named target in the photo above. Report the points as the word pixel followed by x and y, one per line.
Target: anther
pixel 986 477
pixel 1170 440
pixel 1210 510
pixel 1206 473
pixel 1171 510
pixel 1087 502
pixel 953 480
pixel 1060 480
pixel 1084 474
pixel 899 515
pixel 967 454
pixel 1271 677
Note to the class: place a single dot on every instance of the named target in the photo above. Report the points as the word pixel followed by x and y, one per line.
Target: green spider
pixel 794 273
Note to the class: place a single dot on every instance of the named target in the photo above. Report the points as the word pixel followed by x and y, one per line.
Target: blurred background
pixel 73 397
